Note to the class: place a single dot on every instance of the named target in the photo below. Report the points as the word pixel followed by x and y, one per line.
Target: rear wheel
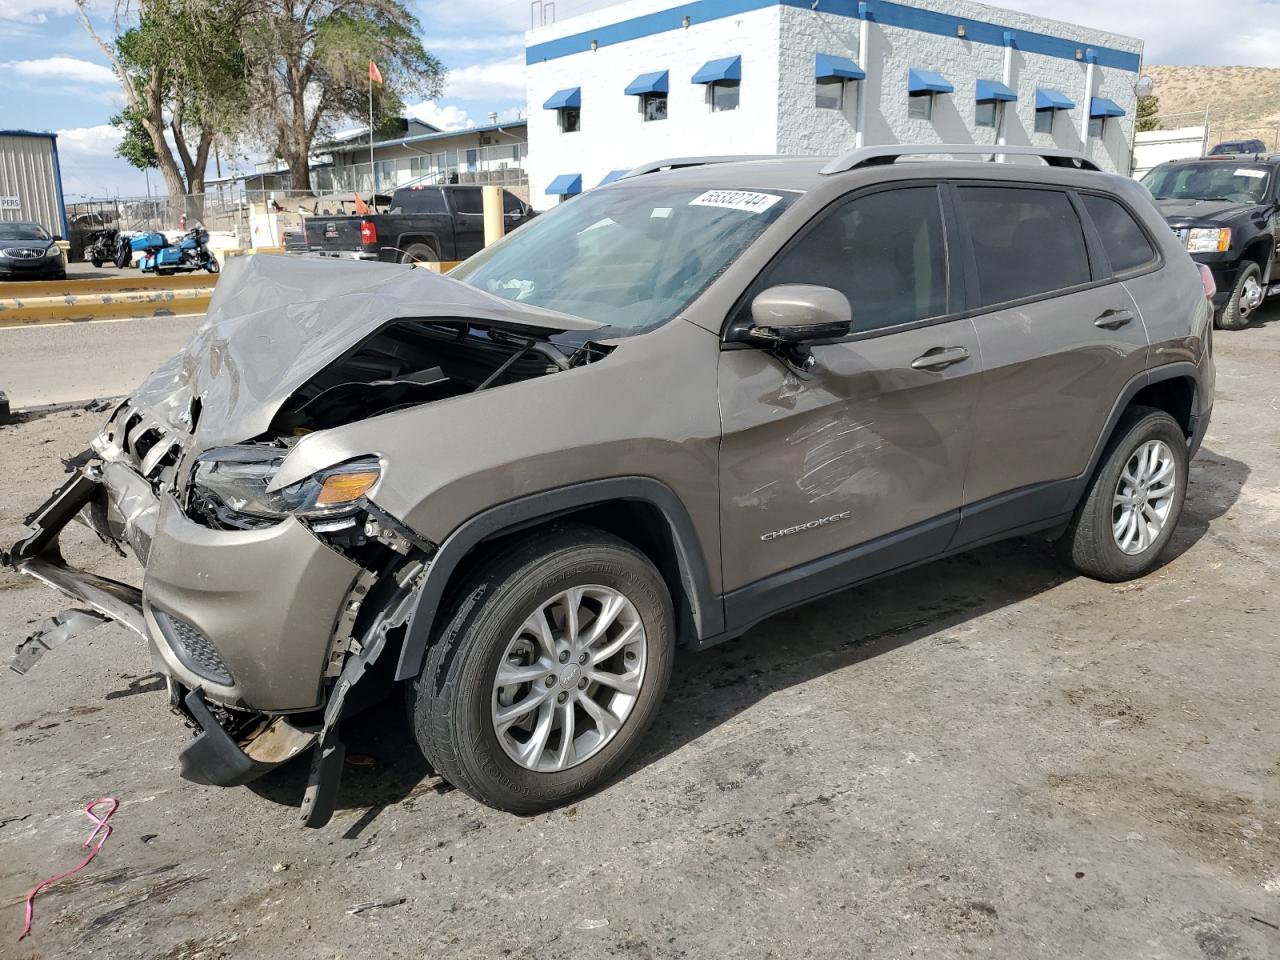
pixel 419 253
pixel 1134 502
pixel 1246 297
pixel 552 664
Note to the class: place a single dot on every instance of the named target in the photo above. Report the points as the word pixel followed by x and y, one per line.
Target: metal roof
pixel 29 133
pixel 424 137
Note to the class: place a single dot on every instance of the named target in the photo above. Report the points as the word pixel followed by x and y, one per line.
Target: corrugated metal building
pixel 31 180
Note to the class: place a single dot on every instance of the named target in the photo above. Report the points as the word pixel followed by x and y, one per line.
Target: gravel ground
pixel 986 757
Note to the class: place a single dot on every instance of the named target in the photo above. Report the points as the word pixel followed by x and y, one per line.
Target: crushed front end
pixel 250 617
pixel 265 600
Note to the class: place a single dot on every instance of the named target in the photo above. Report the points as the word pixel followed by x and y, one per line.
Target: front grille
pixel 194 649
pixel 24 253
pixel 147 445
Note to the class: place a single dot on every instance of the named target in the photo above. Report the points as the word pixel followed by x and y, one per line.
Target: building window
pixel 920 106
pixel 830 93
pixel 570 119
pixel 653 106
pixel 985 114
pixel 723 95
pixel 1044 121
pixel 1095 127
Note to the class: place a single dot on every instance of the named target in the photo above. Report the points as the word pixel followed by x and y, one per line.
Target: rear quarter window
pixel 1027 242
pixel 1125 242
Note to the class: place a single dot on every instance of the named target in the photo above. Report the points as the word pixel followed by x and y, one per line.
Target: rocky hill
pixel 1243 101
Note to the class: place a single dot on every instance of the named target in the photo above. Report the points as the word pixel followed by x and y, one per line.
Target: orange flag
pixel 362 208
pixel 375 75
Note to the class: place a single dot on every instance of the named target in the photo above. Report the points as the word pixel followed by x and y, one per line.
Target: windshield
pixel 1239 183
pixel 630 256
pixel 22 231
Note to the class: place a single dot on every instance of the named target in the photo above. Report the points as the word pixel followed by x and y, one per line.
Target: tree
pixel 183 73
pixel 1148 113
pixel 309 69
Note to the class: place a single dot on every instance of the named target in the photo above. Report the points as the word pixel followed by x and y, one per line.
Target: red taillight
pixel 368 232
pixel 1206 281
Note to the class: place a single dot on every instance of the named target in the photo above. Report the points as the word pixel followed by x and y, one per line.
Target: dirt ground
pixel 986 757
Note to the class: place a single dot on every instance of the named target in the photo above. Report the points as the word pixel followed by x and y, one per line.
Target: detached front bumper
pixel 240 622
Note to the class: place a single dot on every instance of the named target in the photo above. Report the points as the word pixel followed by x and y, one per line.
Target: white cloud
pixel 34 11
pixel 68 70
pixel 488 81
pixel 99 141
pixel 446 118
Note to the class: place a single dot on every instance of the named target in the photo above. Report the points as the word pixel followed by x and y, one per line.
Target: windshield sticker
pixel 736 200
pixel 660 213
pixel 1255 174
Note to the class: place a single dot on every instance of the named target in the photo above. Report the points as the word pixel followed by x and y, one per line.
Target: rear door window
pixel 1027 242
pixel 883 250
pixel 467 200
pixel 1126 244
pixel 418 200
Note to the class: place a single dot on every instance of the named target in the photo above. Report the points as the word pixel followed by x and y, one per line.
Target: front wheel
pixel 1246 297
pixel 552 663
pixel 96 261
pixel 212 264
pixel 1134 502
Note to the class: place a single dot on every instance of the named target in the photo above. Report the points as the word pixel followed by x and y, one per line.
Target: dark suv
pixel 656 415
pixel 1226 212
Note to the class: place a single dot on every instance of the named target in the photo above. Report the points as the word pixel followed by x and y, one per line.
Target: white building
pixel 647 79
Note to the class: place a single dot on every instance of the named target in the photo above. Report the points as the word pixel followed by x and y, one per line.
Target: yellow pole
pixel 494 223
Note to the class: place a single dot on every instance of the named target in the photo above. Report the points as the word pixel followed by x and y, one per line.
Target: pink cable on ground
pixel 101 831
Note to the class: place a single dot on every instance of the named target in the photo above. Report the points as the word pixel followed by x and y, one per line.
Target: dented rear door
pixel 861 467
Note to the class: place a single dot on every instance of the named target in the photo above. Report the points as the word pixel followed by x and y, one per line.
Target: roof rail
pixel 675 163
pixel 888 153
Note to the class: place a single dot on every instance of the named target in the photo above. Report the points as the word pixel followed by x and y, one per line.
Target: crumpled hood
pixel 1208 211
pixel 277 320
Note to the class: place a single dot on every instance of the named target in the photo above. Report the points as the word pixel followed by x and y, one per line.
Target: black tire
pixel 124 256
pixel 1089 544
pixel 96 261
pixel 1235 316
pixel 419 253
pixel 212 264
pixel 450 703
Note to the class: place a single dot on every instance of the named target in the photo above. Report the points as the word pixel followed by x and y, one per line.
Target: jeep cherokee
pixel 658 414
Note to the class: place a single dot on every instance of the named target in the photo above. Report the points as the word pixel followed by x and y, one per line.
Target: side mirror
pixel 793 313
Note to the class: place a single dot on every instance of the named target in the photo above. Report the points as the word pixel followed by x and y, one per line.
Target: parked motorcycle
pixel 101 246
pixel 189 254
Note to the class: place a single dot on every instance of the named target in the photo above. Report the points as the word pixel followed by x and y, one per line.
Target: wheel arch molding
pixel 700 611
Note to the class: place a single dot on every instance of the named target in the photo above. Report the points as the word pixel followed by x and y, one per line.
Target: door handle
pixel 939 357
pixel 1114 319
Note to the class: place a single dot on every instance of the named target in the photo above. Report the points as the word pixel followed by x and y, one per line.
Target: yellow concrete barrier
pixel 154 301
pixel 77 288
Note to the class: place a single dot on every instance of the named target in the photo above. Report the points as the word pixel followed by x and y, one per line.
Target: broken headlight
pixel 230 487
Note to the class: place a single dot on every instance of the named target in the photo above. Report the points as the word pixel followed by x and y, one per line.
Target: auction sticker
pixel 1254 174
pixel 736 200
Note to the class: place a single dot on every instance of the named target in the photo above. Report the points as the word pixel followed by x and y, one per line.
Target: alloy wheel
pixel 569 678
pixel 1250 295
pixel 1144 497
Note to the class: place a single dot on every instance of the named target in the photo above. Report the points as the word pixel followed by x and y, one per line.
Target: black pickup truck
pixel 1226 210
pixel 422 223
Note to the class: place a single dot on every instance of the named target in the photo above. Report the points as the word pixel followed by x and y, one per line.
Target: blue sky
pixel 57 79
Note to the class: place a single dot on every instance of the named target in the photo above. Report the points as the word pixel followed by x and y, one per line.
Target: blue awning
pixel 565 185
pixel 926 81
pixel 994 90
pixel 570 98
pixel 611 176
pixel 1102 107
pixel 842 67
pixel 730 68
pixel 648 83
pixel 1047 99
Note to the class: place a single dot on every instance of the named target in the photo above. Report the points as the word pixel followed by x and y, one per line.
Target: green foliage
pixel 135 146
pixel 310 68
pixel 1148 111
pixel 190 53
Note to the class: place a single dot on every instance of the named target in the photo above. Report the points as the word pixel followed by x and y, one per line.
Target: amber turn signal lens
pixel 345 487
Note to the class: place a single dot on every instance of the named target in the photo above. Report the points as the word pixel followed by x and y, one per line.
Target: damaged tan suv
pixel 653 416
